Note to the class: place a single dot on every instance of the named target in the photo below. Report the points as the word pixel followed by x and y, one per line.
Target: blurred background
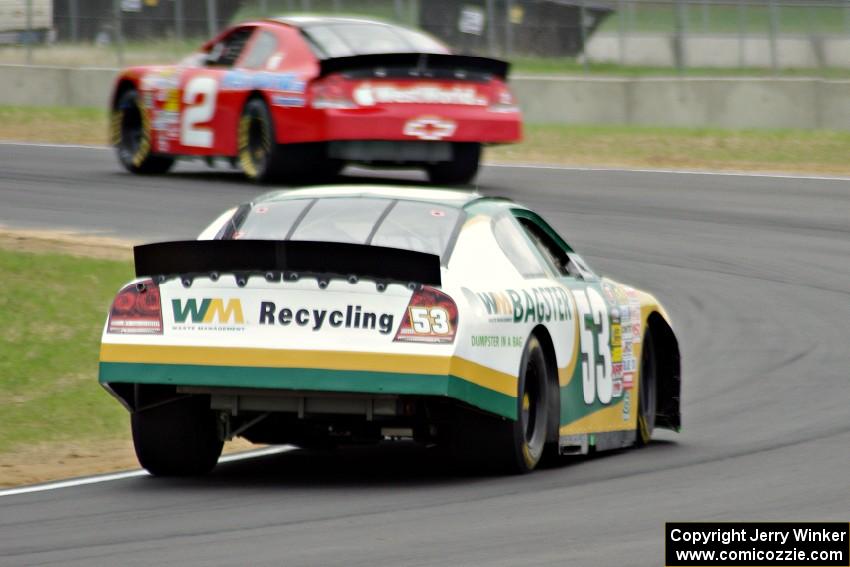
pixel 634 37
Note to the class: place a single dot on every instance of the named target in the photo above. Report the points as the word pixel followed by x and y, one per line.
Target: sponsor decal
pixel 627 405
pixel 617 388
pixel 496 341
pixel 160 79
pixel 370 94
pixel 429 128
pixel 350 317
pixel 242 80
pixel 471 20
pixel 288 101
pixel 539 304
pixel 165 120
pixel 208 314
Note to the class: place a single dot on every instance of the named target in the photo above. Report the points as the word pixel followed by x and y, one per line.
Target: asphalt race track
pixel 754 270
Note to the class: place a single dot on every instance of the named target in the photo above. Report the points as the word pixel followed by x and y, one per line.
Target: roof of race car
pixel 447 197
pixel 304 21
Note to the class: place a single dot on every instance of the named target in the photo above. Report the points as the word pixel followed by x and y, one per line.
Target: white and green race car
pixel 355 314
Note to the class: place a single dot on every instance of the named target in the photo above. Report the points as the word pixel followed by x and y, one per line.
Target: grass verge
pixel 53 309
pixel 57 422
pixel 804 151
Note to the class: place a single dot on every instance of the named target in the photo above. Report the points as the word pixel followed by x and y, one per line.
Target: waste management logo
pixel 208 314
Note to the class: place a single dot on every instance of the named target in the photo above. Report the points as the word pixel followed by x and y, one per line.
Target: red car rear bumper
pixel 399 122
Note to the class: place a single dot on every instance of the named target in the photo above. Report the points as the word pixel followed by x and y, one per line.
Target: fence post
pixel 774 31
pixel 178 20
pixel 679 37
pixel 398 10
pixel 742 33
pixel 29 35
pixel 509 29
pixel 621 29
pixel 305 5
pixel 212 18
pixel 74 13
pixel 582 15
pixel 119 33
pixel 491 26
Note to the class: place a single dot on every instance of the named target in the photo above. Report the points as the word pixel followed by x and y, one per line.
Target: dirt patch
pixel 31 464
pixel 66 242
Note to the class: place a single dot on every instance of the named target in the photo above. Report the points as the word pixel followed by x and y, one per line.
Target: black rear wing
pixel 430 65
pixel 289 259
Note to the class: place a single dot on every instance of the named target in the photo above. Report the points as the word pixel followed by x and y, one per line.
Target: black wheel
pixel 178 438
pixel 462 168
pixel 131 137
pixel 647 393
pixel 257 147
pixel 515 446
pixel 264 160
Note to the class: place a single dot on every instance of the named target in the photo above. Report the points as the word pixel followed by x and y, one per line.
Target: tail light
pixel 136 310
pixel 431 318
pixel 331 92
pixel 502 99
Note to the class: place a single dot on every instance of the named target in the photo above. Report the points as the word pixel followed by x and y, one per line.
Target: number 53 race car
pixel 297 98
pixel 355 314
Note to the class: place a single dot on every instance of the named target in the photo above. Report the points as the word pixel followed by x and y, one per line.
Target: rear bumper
pixel 312 371
pixel 447 124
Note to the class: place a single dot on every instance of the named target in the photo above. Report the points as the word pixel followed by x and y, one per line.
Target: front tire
pixel 462 168
pixel 514 446
pixel 178 438
pixel 647 394
pixel 131 137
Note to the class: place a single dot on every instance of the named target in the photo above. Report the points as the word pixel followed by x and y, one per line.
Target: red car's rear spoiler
pixel 288 259
pixel 417 65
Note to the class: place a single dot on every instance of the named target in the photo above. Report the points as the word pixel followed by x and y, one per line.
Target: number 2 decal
pixel 199 97
pixel 597 379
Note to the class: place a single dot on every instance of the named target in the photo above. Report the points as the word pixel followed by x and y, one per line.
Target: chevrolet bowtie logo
pixel 430 128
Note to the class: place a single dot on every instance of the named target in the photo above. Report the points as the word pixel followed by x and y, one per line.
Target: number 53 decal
pixel 199 98
pixel 597 377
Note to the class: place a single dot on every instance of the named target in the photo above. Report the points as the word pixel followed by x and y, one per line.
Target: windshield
pixel 364 38
pixel 409 225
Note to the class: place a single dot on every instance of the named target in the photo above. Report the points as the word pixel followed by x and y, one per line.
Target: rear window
pixel 347 39
pixel 409 225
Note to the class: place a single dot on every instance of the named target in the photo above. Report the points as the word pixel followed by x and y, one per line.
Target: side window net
pixel 225 52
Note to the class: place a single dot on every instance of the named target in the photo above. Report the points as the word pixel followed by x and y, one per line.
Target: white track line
pixel 550 167
pixel 43 145
pixel 131 474
pixel 673 171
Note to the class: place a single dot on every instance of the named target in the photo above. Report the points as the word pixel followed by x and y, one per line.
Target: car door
pixel 208 115
pixel 604 374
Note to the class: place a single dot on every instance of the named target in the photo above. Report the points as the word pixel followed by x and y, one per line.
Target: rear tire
pixel 131 137
pixel 514 446
pixel 647 393
pixel 178 438
pixel 265 161
pixel 461 170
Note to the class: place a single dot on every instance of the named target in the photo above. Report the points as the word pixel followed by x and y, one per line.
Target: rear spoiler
pixel 438 65
pixel 289 259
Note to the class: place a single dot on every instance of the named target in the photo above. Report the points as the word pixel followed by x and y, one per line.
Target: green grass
pixel 816 151
pixel 813 151
pixel 53 308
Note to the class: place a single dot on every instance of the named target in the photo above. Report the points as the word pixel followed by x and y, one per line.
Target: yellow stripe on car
pixel 319 359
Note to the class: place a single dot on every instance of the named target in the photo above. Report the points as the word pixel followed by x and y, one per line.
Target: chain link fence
pixel 631 36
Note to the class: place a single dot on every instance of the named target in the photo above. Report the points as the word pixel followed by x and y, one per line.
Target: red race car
pixel 297 98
